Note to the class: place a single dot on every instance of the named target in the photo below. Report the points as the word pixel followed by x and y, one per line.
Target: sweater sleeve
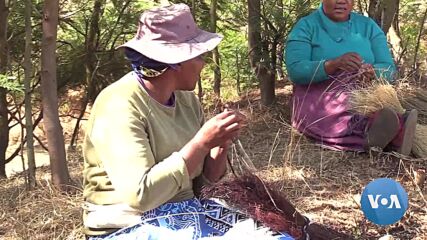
pixel 383 65
pixel 123 146
pixel 301 69
pixel 200 181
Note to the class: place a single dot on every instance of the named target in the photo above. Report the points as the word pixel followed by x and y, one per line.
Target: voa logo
pixel 393 200
pixel 384 201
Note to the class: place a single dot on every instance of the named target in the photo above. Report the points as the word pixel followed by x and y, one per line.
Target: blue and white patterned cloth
pixel 186 220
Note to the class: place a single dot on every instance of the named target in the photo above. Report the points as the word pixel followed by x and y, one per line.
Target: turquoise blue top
pixel 315 39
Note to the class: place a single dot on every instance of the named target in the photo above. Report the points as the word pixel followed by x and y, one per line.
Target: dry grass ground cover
pixel 44 213
pixel 324 185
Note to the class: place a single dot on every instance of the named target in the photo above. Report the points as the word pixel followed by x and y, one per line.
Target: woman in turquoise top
pixel 325 51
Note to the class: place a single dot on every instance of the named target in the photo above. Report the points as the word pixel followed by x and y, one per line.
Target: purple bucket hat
pixel 170 35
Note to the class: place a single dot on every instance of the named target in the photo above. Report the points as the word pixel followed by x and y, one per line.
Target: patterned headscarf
pixel 144 66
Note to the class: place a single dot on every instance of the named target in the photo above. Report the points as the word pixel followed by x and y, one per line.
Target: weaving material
pixel 380 94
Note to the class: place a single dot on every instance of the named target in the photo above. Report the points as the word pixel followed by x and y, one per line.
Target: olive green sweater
pixel 131 148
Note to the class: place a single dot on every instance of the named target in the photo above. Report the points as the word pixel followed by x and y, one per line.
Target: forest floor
pixel 324 185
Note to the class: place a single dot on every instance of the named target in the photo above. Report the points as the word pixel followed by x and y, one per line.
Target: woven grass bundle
pixel 260 201
pixel 246 192
pixel 378 95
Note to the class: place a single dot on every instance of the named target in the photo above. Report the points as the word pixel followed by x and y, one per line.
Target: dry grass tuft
pixel 414 98
pixel 419 148
pixel 43 213
pixel 375 97
pixel 380 94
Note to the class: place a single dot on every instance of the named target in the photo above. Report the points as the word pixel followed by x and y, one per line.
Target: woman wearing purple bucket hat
pixel 148 148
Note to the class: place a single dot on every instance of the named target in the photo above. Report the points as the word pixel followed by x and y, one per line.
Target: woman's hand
pixel 368 71
pixel 349 62
pixel 220 129
pixel 217 131
pixel 216 163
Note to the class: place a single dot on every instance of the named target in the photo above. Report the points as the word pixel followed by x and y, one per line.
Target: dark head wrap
pixel 141 63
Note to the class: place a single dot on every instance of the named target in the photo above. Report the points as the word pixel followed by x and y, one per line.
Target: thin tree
pixel 395 40
pixel 199 83
pixel 4 128
pixel 27 89
pixel 215 52
pixel 55 137
pixel 258 57
pixel 91 45
pixel 383 12
pixel 280 43
pixel 420 34
pixel 238 72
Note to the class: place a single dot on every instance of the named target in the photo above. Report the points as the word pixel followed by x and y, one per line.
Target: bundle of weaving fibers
pixel 380 94
pixel 250 195
pixel 416 98
pixel 376 96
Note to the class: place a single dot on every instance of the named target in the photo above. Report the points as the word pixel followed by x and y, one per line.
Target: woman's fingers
pixel 370 73
pixel 350 62
pixel 235 117
pixel 232 127
pixel 356 56
pixel 224 114
pixel 352 66
pixel 354 60
pixel 231 136
pixel 222 128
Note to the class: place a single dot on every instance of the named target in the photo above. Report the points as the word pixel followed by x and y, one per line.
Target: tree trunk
pixel 74 137
pixel 27 86
pixel 396 23
pixel 374 5
pixel 92 46
pixel 280 45
pixel 396 46
pixel 91 67
pixel 280 60
pixel 267 85
pixel 55 137
pixel 4 132
pixel 254 32
pixel 199 83
pixel 261 70
pixel 215 52
pixel 417 46
pixel 383 12
pixel 193 7
pixel 238 72
pixel 4 128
